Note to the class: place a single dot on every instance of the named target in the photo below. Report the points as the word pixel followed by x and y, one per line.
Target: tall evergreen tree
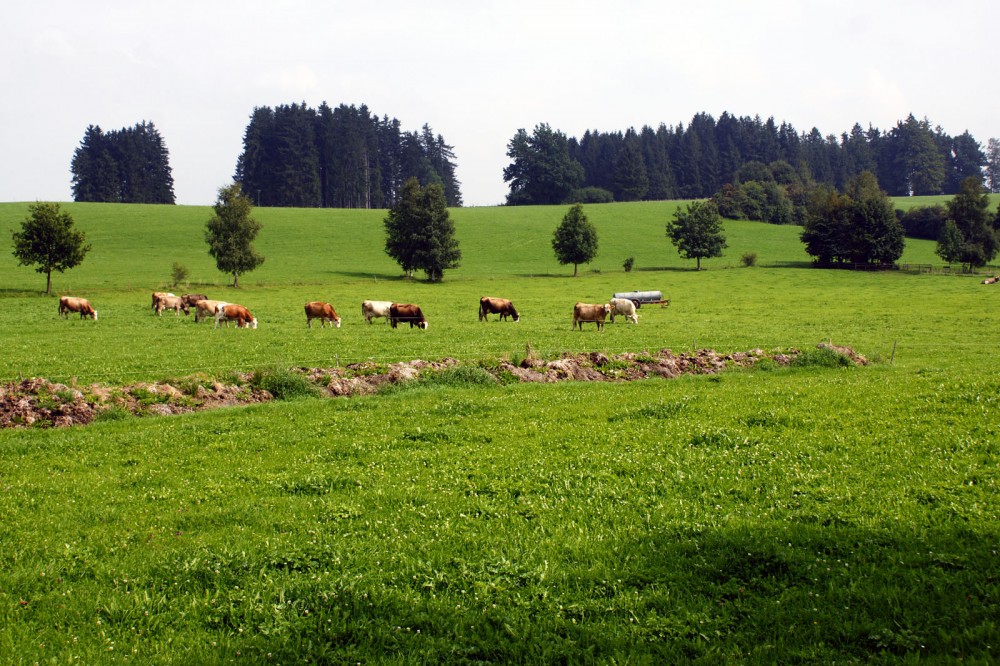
pixel 630 179
pixel 131 165
pixel 541 171
pixel 230 233
pixel 419 232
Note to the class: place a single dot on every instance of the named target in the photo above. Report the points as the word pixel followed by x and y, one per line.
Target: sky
pixel 476 71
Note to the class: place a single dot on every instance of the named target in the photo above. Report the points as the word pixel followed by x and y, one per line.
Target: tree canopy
pixel 542 171
pixel 969 237
pixel 230 234
pixel 343 157
pixel 575 239
pixel 47 238
pixel 419 232
pixel 697 232
pixel 859 226
pixel 130 165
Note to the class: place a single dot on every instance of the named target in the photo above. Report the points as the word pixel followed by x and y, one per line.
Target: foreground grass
pixel 792 515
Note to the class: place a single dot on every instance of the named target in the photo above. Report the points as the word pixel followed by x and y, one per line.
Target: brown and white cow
pixel 374 309
pixel 322 311
pixel 157 295
pixel 175 303
pixel 590 312
pixel 501 306
pixel 69 304
pixel 407 312
pixel 233 312
pixel 624 307
pixel 206 309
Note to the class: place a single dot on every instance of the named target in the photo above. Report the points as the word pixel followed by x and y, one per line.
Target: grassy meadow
pixel 804 514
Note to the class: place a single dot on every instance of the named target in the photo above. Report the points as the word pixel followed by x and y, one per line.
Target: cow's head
pixel 253 323
pixel 423 324
pixel 607 307
pixel 94 313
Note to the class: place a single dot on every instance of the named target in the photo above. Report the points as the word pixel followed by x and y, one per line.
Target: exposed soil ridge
pixel 37 402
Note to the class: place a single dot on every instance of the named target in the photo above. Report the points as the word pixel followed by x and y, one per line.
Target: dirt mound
pixel 38 402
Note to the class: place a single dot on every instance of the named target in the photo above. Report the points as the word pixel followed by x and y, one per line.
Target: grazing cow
pixel 175 303
pixel 157 295
pixel 500 306
pixel 407 312
pixel 191 300
pixel 322 311
pixel 373 309
pixel 205 309
pixel 588 312
pixel 233 312
pixel 624 307
pixel 69 304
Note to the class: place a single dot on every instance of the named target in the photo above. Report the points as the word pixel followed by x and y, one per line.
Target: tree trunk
pixel 698 259
pixel 574 270
pixel 48 283
pixel 236 280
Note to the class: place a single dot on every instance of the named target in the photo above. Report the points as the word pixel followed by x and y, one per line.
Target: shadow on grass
pixel 364 275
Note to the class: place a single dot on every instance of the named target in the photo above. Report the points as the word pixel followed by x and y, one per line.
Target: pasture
pixel 801 514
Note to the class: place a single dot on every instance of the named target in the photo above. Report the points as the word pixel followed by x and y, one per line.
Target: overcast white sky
pixel 476 71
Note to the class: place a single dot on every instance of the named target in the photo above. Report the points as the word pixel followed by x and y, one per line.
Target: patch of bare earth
pixel 37 402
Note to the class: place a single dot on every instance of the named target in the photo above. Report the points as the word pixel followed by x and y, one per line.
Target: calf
pixel 588 312
pixel 233 312
pixel 624 307
pixel 407 312
pixel 191 300
pixel 500 306
pixel 373 309
pixel 322 311
pixel 69 304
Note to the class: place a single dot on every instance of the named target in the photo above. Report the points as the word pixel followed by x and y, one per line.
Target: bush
pixel 628 263
pixel 178 274
pixel 282 383
pixel 821 358
pixel 749 259
pixel 587 195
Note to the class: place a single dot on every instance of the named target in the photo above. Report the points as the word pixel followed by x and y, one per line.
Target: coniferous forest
pixel 342 157
pixel 130 165
pixel 695 161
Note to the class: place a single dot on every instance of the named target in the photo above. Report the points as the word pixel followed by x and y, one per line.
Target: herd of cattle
pixel 394 313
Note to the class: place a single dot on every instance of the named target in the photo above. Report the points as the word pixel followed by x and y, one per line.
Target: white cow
pixel 372 309
pixel 624 307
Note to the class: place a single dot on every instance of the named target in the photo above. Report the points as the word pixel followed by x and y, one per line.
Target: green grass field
pixel 768 516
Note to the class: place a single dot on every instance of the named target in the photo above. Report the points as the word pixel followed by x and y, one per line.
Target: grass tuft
pixel 282 383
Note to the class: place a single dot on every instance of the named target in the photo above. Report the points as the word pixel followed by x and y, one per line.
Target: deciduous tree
pixel 231 232
pixel 968 213
pixel 542 171
pixel 697 232
pixel 47 238
pixel 575 239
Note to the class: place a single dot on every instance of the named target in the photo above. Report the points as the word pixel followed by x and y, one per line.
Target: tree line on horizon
pixel 696 161
pixel 343 157
pixel 130 165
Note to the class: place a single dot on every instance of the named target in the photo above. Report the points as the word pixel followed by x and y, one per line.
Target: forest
pixel 695 161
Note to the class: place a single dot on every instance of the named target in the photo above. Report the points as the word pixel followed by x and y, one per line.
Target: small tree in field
pixel 230 234
pixel 697 231
pixel 47 238
pixel 575 239
pixel 419 233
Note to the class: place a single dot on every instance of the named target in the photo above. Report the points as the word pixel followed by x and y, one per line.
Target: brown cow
pixel 69 304
pixel 588 312
pixel 407 312
pixel 233 312
pixel 500 306
pixel 175 303
pixel 322 311
pixel 206 309
pixel 191 300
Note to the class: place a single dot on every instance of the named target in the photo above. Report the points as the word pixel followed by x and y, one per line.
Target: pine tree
pixel 419 232
pixel 231 232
